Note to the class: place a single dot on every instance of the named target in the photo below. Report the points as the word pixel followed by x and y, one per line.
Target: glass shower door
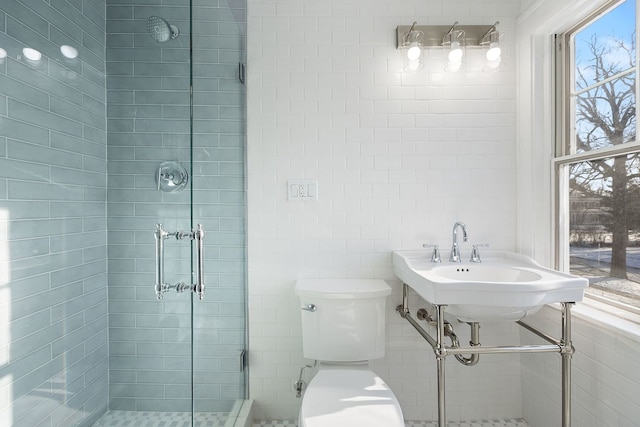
pixel 176 158
pixel 218 40
pixel 149 182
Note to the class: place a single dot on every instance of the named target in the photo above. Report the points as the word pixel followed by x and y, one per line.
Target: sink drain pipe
pixel 475 332
pixel 423 314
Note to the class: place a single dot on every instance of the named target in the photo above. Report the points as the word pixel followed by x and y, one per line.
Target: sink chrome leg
pixel 442 415
pixel 441 355
pixel 405 300
pixel 567 351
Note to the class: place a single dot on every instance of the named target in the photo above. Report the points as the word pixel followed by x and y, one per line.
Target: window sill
pixel 607 317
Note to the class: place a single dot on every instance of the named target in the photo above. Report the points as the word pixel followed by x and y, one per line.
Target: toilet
pixel 343 327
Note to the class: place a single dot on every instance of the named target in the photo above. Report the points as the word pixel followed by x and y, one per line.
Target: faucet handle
pixel 475 252
pixel 435 255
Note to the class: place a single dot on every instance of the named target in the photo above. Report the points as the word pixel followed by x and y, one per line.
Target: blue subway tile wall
pixel 53 240
pixel 53 192
pixel 149 340
pixel 149 123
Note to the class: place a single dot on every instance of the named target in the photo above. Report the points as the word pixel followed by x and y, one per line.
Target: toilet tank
pixel 343 320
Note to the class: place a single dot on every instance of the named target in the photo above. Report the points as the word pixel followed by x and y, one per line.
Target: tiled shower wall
pixel 148 122
pixel 398 157
pixel 53 272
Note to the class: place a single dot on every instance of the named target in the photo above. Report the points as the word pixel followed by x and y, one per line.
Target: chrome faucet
pixel 455 249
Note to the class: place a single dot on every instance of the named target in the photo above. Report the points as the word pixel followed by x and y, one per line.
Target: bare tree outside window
pixel 605 192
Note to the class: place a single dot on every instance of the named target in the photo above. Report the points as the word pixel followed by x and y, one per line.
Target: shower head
pixel 160 30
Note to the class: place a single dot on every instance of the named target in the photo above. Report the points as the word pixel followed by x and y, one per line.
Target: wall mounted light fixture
pixel 455 39
pixel 412 42
pixel 491 39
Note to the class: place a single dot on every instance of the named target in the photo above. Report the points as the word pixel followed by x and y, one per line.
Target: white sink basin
pixel 504 286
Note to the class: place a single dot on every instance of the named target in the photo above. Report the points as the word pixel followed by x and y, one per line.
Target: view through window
pixel 600 156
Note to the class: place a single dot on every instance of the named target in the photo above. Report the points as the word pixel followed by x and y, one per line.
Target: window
pixel 598 156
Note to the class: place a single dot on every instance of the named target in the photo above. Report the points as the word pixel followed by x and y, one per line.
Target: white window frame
pixel 565 113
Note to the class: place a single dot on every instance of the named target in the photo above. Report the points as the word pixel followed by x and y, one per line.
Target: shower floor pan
pixel 161 419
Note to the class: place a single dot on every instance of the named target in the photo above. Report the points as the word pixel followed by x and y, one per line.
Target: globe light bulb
pixel 414 51
pixel 494 52
pixel 455 54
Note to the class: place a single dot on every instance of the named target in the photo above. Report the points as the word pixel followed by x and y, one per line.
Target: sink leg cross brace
pixel 564 346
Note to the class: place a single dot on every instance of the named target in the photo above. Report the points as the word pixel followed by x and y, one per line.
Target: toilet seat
pixel 349 398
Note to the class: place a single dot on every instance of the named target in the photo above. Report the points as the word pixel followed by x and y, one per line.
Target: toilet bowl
pixel 343 327
pixel 349 398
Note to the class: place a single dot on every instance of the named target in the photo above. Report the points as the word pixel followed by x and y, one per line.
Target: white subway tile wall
pixel 398 157
pixel 605 377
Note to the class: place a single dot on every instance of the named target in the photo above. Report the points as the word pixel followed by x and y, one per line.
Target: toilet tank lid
pixel 342 288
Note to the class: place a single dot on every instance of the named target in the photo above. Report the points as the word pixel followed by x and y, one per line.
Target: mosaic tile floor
pixel 212 419
pixel 515 422
pixel 160 419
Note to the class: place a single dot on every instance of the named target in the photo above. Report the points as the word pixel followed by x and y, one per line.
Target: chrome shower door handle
pixel 198 236
pixel 160 235
pixel 161 287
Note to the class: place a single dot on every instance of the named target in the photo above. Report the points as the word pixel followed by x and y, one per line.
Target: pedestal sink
pixel 505 286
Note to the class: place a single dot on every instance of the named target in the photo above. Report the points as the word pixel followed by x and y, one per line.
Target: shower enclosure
pixel 122 205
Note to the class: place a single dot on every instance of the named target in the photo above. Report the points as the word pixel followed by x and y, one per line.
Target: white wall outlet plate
pixel 302 190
